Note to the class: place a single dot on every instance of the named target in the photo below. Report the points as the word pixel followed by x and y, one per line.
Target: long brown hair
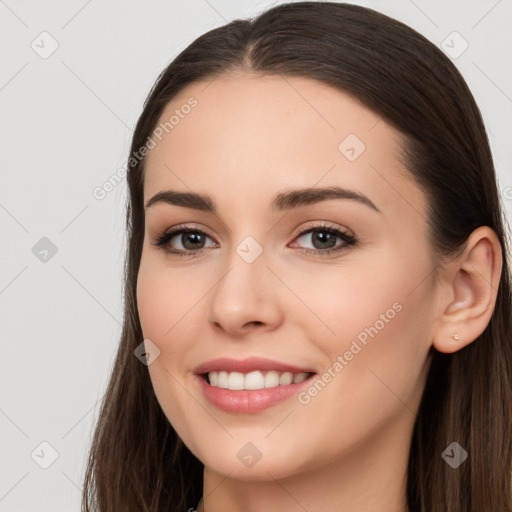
pixel 137 462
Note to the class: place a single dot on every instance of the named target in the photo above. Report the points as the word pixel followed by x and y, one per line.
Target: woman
pixel 317 311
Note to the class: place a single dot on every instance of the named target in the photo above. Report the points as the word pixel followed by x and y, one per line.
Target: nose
pixel 245 298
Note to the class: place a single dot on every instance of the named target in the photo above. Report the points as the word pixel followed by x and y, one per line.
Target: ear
pixel 470 286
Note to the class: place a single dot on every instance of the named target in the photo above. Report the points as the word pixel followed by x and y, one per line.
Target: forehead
pixel 241 138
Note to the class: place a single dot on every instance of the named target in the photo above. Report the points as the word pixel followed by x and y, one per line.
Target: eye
pixel 324 239
pixel 191 240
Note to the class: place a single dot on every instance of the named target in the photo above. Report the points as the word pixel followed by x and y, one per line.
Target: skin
pixel 248 138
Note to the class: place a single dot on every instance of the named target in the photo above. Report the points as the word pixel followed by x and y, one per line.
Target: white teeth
pixel 223 379
pixel 236 381
pixel 214 378
pixel 254 380
pixel 286 379
pixel 299 377
pixel 271 379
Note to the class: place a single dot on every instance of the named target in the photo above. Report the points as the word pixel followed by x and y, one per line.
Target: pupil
pixel 191 236
pixel 324 237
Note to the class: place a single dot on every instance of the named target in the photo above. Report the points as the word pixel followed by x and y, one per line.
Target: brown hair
pixel 137 462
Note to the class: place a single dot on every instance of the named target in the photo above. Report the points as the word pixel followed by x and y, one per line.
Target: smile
pixel 248 393
pixel 236 381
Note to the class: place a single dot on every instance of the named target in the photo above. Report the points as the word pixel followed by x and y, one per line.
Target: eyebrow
pixel 282 201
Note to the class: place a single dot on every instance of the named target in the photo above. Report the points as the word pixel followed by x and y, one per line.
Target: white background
pixel 66 125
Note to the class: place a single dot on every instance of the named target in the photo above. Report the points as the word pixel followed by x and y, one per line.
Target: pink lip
pixel 247 365
pixel 249 401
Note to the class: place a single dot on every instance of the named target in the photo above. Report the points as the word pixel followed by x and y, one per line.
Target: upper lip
pixel 247 365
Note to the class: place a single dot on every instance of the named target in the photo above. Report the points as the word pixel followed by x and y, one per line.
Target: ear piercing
pixel 455 337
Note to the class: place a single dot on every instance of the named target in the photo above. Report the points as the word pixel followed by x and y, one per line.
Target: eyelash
pixel 165 237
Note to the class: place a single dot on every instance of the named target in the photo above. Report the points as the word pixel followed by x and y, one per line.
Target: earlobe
pixel 472 281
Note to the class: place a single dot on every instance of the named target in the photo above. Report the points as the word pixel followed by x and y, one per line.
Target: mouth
pixel 252 392
pixel 255 380
pixel 250 385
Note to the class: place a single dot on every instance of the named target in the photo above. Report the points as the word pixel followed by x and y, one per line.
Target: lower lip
pixel 248 401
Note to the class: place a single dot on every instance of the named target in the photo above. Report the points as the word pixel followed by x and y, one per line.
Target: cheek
pixel 374 378
pixel 340 301
pixel 374 330
pixel 162 305
pixel 171 312
pixel 149 302
pixel 162 299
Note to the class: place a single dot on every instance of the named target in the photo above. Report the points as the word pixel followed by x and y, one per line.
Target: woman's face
pixel 255 278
